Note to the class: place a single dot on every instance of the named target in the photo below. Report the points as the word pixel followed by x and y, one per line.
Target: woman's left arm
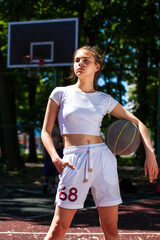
pixel 150 166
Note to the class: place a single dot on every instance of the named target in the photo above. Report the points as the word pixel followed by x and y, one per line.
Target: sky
pixel 101 83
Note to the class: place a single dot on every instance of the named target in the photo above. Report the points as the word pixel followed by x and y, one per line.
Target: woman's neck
pixel 85 87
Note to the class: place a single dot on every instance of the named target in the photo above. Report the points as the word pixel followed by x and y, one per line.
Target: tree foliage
pixel 132 56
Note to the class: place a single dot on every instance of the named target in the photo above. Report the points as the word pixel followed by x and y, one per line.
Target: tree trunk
pixel 2 146
pixel 32 146
pixel 155 120
pixel 7 108
pixel 32 143
pixel 142 92
pixel 119 83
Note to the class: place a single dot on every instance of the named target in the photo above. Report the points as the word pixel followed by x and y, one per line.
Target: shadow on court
pixel 25 202
pixel 137 221
pixel 143 215
pixel 25 213
pixel 29 204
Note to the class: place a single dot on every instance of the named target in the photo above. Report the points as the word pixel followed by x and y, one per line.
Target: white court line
pixel 121 233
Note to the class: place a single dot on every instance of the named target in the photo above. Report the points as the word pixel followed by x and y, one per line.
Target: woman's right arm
pixel 46 135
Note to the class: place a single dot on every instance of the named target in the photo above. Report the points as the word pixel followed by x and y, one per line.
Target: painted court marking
pixel 80 233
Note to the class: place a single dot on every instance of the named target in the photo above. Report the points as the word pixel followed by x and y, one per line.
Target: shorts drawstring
pixel 89 151
pixel 87 164
pixel 74 185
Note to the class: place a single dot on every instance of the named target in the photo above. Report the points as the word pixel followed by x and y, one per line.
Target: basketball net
pixel 33 69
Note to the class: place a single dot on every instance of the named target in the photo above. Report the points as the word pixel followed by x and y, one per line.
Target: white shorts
pixel 95 168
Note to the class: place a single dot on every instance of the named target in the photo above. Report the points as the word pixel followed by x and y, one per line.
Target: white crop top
pixel 80 112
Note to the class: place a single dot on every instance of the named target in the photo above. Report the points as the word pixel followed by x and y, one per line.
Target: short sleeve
pixel 56 95
pixel 109 104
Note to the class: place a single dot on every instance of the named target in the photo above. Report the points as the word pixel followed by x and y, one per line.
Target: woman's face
pixel 84 64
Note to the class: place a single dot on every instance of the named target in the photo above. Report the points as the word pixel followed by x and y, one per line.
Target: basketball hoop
pixel 34 64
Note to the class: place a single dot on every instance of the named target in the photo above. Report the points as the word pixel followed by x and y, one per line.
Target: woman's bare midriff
pixel 70 140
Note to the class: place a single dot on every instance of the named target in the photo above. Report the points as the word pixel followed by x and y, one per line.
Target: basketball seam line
pixel 109 133
pixel 130 142
pixel 119 136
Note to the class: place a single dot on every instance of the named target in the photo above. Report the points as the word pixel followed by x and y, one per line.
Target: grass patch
pixel 128 161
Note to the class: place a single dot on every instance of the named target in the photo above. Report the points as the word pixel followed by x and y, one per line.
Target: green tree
pixel 131 56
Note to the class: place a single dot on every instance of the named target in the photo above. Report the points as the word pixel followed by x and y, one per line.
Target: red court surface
pixel 139 220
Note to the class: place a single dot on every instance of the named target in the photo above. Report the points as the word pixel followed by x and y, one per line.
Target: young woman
pixel 87 161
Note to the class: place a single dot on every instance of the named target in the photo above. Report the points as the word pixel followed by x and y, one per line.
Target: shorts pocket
pixel 110 169
pixel 68 171
pixel 111 176
pixel 65 170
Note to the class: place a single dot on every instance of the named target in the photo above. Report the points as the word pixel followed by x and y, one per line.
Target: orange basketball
pixel 123 137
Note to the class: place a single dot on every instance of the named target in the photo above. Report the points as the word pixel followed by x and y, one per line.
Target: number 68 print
pixel 72 196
